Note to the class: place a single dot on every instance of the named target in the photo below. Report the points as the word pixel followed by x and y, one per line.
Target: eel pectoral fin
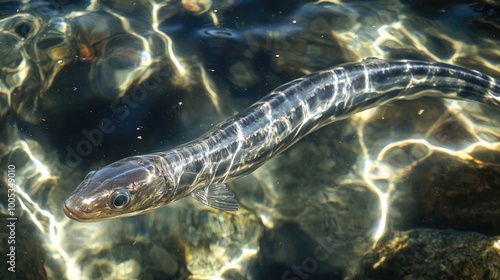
pixel 217 196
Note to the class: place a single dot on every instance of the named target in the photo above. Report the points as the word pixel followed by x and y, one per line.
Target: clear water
pixel 408 190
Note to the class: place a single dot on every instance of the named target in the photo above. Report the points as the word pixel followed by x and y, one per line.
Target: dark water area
pixel 408 190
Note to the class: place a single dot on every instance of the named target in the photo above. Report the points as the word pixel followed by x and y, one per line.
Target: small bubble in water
pixel 139 137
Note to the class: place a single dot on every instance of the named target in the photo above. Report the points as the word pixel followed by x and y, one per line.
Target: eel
pixel 201 168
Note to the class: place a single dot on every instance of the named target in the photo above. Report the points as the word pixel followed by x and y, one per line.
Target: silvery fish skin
pixel 245 142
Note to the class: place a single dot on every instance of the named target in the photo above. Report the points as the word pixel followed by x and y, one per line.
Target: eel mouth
pixel 78 216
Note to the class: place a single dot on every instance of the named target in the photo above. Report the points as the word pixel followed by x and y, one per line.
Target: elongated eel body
pixel 245 142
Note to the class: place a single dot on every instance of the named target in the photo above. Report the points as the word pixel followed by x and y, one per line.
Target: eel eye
pixel 119 199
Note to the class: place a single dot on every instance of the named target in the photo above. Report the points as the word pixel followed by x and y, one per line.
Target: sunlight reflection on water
pixel 350 200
